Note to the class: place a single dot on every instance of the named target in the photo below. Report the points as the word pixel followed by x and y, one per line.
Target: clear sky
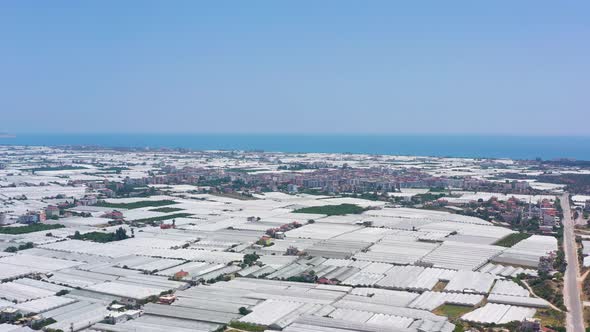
pixel 490 67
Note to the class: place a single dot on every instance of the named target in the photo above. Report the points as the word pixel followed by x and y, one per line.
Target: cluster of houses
pixel 511 210
pixel 55 211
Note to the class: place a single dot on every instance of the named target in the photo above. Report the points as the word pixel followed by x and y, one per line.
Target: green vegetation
pixel 11 249
pixel 333 210
pixel 302 278
pixel 236 195
pixel 550 317
pixel 25 246
pixel 116 169
pixel 548 290
pixel 29 228
pixel 242 170
pixel 560 262
pixel 249 259
pixel 459 327
pixel 162 218
pixel 118 235
pixel 62 292
pixel 374 196
pixel 247 326
pixel 575 183
pixel 427 197
pixel 43 323
pixel 127 189
pixel 452 311
pixel 585 286
pixel 213 182
pixel 512 239
pixel 56 168
pixel 315 192
pixel 297 167
pixel 136 205
pixel 244 311
pixel 166 209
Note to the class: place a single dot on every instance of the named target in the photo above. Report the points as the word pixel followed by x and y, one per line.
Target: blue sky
pixel 393 67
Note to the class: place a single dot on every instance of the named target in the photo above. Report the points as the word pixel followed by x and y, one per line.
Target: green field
pixel 333 210
pixel 167 209
pixel 162 218
pixel 116 169
pixel 452 311
pixel 136 205
pixel 29 228
pixel 56 168
pixel 512 239
pixel 242 170
pixel 118 235
pixel 243 326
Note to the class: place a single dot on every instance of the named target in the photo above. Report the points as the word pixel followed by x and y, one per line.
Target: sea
pixel 470 146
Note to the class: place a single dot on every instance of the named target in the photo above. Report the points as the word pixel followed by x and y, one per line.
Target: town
pixel 96 239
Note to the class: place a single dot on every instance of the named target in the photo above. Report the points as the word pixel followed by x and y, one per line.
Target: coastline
pixel 460 146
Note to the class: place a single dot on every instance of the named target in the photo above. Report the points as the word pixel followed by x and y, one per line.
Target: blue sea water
pixel 516 147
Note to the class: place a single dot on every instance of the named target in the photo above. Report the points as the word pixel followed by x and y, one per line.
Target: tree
pixel 11 249
pixel 27 245
pixel 120 234
pixel 77 236
pixel 62 292
pixel 249 259
pixel 244 311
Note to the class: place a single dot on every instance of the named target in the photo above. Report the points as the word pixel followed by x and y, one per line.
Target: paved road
pixel 571 291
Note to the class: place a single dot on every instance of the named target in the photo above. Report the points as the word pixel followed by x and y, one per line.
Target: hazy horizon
pixel 261 67
pixel 295 134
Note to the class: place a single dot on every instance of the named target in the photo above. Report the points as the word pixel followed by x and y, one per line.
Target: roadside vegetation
pixel 549 289
pixel 586 287
pixel 333 210
pixel 29 228
pixel 586 313
pixel 551 318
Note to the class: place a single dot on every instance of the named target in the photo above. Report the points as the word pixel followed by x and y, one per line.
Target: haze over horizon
pixel 265 67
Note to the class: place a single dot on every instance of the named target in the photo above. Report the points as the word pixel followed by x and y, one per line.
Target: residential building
pixel 52 211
